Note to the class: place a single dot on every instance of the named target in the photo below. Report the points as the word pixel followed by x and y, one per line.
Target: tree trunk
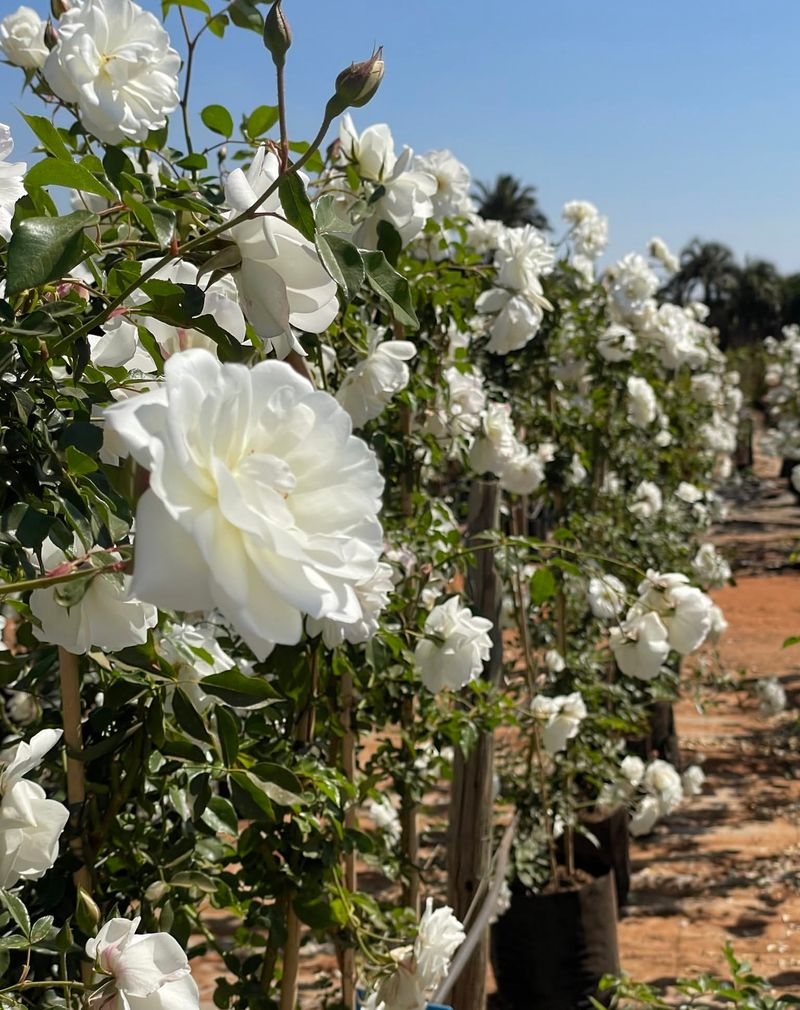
pixel 470 840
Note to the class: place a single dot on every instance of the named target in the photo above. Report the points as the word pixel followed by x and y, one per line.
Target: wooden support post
pixel 470 841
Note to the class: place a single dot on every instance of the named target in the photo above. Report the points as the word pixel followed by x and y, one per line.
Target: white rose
pixel 644 817
pixel 458 646
pixel 632 769
pixel 640 645
pixel 517 321
pixel 282 282
pixel 495 447
pixel 523 472
pixel 106 616
pixel 12 186
pixel 439 937
pixel 771 695
pixel 22 39
pixel 373 597
pixel 692 780
pixel 148 971
pixel 30 824
pixel 185 647
pixel 114 61
pixel 617 343
pixel 647 500
pixel 663 781
pixel 564 721
pixel 710 567
pixel 642 404
pixel 606 596
pixel 261 502
pixel 368 388
pixel 452 183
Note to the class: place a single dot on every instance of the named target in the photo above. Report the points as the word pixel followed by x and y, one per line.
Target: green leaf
pixel 155 220
pixel 217 25
pixel 219 815
pixel 196 880
pixel 319 912
pixel 56 172
pixel 188 718
pixel 228 733
pixel 278 783
pixel 78 463
pixel 44 249
pixel 49 136
pixel 543 586
pixel 296 205
pixel 237 690
pixel 218 119
pixel 342 261
pixel 41 929
pixel 245 14
pixel 19 913
pixel 196 5
pixel 262 119
pixel 194 162
pixel 791 640
pixel 389 284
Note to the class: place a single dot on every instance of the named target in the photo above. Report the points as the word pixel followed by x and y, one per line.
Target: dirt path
pixel 727 865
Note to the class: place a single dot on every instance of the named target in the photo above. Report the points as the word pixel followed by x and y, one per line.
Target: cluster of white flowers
pixel 782 378
pixel 517 304
pixel 497 450
pixel 652 790
pixel 669 614
pixel 403 191
pixel 710 566
pixel 588 235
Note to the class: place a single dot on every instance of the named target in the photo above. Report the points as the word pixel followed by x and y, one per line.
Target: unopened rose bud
pixel 222 153
pixel 356 85
pixel 277 34
pixel 50 35
pixel 59 7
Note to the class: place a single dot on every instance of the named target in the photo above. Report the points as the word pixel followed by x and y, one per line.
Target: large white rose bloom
pixel 282 282
pixel 368 388
pixel 145 971
pixel 11 184
pixel 685 610
pixel 640 645
pixel 647 500
pixel 616 343
pixel 261 502
pixel 22 39
pixel 30 824
pixel 497 443
pixel 106 617
pixel 517 321
pixel 114 61
pixel 458 646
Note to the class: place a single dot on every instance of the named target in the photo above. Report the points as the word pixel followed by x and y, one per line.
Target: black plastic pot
pixel 549 951
pixel 612 853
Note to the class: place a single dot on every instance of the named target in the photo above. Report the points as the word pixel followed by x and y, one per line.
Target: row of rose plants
pixel 251 405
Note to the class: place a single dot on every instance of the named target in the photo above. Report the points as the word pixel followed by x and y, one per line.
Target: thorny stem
pixel 47 581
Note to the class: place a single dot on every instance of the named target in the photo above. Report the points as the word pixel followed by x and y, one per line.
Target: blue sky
pixel 676 117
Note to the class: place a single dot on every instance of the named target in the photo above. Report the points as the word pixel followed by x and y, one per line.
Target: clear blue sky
pixel 676 117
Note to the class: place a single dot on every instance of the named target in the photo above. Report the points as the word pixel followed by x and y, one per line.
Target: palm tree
pixel 507 200
pixel 757 304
